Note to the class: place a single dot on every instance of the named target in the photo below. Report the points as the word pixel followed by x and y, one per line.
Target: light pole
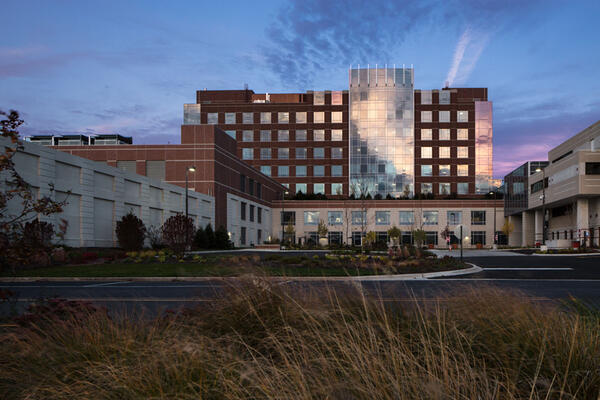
pixel 188 169
pixel 495 240
pixel 543 170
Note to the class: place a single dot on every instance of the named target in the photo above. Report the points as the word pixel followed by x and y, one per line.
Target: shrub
pixel 89 256
pixel 222 239
pixel 131 232
pixel 177 232
pixel 200 241
pixel 155 238
pixel 210 237
pixel 37 234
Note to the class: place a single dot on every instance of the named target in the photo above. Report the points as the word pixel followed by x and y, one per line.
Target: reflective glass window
pixel 336 152
pixel 318 135
pixel 462 134
pixel 301 170
pixel 212 118
pixel 301 153
pixel 265 117
pixel 462 170
pixel 478 217
pixel 336 116
pixel 430 217
pixel 265 169
pixel 454 217
pixel 283 170
pixel 335 218
pixel 382 217
pixel 336 170
pixel 426 134
pixel 426 116
pixel 462 152
pixel 426 170
pixel 407 217
pixel 444 152
pixel 426 188
pixel 444 116
pixel 311 217
pixel 247 136
pixel 359 217
pixel 426 97
pixel 336 97
pixel 319 152
pixel 283 136
pixel 462 116
pixel 230 118
pixel 265 136
pixel 247 118
pixel 283 153
pixel 336 135
pixel 462 188
pixel 318 117
pixel 301 187
pixel 319 98
pixel 301 136
pixel 444 97
pixel 265 153
pixel 426 152
pixel 319 170
pixel 319 188
pixel 444 188
pixel 444 170
pixel 444 134
pixel 283 117
pixel 247 154
pixel 230 133
pixel 301 117
pixel 337 188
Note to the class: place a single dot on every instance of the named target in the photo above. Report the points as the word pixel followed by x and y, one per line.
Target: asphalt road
pixel 544 279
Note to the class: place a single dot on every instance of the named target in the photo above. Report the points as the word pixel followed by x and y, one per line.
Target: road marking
pixel 104 284
pixel 527 269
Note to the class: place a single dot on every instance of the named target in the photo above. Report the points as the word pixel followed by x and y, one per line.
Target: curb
pixel 567 255
pixel 399 277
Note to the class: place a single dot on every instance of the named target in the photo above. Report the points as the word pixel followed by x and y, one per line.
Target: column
pixel 516 237
pixel 583 222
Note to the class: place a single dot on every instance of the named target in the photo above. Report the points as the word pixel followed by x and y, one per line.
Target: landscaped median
pixel 165 264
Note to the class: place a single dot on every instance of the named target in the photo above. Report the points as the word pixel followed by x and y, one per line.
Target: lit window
pixel 247 118
pixel 319 170
pixel 247 154
pixel 301 117
pixel 336 116
pixel 283 170
pixel 319 188
pixel 318 117
pixel 444 170
pixel 462 188
pixel 462 170
pixel 462 116
pixel 382 217
pixel 444 152
pixel 444 134
pixel 230 118
pixel 283 153
pixel 444 116
pixel 300 153
pixel 444 188
pixel 212 118
pixel 265 169
pixel 426 188
pixel 319 135
pixel 425 116
pixel 301 170
pixel 248 136
pixel 426 134
pixel 335 218
pixel 462 152
pixel 336 135
pixel 336 152
pixel 265 136
pixel 301 136
pixel 301 187
pixel 337 189
pixel 311 218
pixel 319 152
pixel 336 170
pixel 283 117
pixel 426 170
pixel 265 153
pixel 283 136
pixel 265 117
pixel 406 218
pixel 426 152
pixel 462 134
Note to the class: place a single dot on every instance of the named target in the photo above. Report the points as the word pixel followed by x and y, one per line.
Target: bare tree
pixel 361 189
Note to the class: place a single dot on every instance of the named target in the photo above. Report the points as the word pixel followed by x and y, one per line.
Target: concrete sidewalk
pixel 474 253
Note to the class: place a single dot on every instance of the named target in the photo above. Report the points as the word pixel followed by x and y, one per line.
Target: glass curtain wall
pixel 381 131
pixel 483 146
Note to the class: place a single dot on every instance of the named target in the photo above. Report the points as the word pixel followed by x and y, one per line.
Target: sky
pixel 128 67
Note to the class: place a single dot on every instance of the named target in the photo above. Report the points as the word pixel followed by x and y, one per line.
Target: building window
pixel 301 153
pixel 382 217
pixel 407 217
pixel 592 168
pixel 247 154
pixel 243 183
pixel 430 217
pixel 336 152
pixel 251 186
pixel 301 117
pixel 247 136
pixel 319 188
pixel 243 236
pixel 301 187
pixel 301 136
pixel 283 136
pixel 335 218
pixel 444 134
pixel 336 135
pixel 462 152
pixel 319 170
pixel 265 136
pixel 462 134
pixel 288 217
pixel 259 215
pixel 251 213
pixel 319 98
pixel 426 170
pixel 283 170
pixel 357 236
pixel 283 153
pixel 426 134
pixel 265 153
pixel 359 217
pixel 336 170
pixel 425 116
pixel 462 116
pixel 444 116
pixel 259 236
pixel 462 187
pixel 230 118
pixel 444 97
pixel 334 237
pixel 431 238
pixel 243 211
pixel 462 170
pixel 283 117
pixel 426 152
pixel 426 97
pixel 265 117
pixel 454 217
pixel 444 152
pixel 336 116
pixel 337 189
pixel 318 135
pixel 318 117
pixel 478 237
pixel 319 152
pixel 301 170
pixel 444 170
pixel 426 188
pixel 231 133
pixel 258 190
pixel 477 217
pixel 247 118
pixel 444 188
pixel 212 118
pixel 311 217
pixel 265 170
